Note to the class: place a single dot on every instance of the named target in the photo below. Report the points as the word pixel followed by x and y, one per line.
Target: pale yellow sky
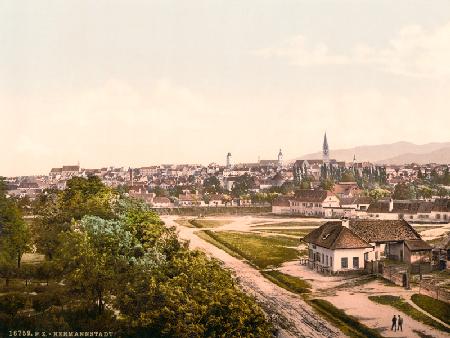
pixel 134 83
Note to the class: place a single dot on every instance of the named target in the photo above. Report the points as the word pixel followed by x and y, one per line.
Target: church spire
pixel 326 150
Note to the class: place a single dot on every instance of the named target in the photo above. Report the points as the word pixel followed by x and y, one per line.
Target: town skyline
pixel 188 83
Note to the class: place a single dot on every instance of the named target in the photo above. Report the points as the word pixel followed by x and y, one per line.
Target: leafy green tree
pixel 425 192
pixel 348 176
pixel 191 296
pixel 94 256
pixel 13 302
pixel 404 191
pixel 211 185
pixel 56 210
pixel 14 231
pixel 242 185
pixel 442 192
pixel 378 193
pixel 327 184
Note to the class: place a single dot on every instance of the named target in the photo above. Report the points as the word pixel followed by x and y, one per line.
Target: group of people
pixel 397 323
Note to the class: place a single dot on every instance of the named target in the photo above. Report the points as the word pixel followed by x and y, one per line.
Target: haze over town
pixel 135 84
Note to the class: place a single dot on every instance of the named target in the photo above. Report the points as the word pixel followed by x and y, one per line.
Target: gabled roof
pixel 281 201
pixel 305 195
pixel 161 200
pixel 401 207
pixel 332 235
pixel 356 200
pixel 383 230
pixel 442 205
pixel 418 245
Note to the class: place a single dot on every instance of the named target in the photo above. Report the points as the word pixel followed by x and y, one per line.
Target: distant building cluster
pixel 322 187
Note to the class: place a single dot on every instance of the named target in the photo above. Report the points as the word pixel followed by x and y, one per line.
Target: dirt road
pixel 291 314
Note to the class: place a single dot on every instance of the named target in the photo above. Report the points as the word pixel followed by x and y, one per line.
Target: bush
pixel 12 303
pixel 43 301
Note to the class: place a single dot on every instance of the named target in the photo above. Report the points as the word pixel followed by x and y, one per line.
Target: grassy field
pixel 207 223
pixel 408 309
pixel 288 282
pixel 290 224
pixel 184 222
pixel 349 325
pixel 294 232
pixel 261 251
pixel 434 307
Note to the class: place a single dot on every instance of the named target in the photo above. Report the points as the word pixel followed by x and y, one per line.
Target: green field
pixel 184 222
pixel 408 309
pixel 434 307
pixel 349 325
pixel 207 223
pixel 290 224
pixel 294 232
pixel 288 282
pixel 261 251
pixel 201 223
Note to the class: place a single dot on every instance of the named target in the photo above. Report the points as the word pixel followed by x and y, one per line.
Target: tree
pixel 404 191
pixel 425 192
pixel 57 210
pixel 242 185
pixel 191 296
pixel 327 184
pixel 211 185
pixel 95 256
pixel 348 176
pixel 14 231
pixel 378 193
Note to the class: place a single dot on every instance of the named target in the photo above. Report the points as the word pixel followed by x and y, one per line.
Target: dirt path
pixel 356 303
pixel 294 317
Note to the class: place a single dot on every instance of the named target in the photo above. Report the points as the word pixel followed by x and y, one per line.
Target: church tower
pixel 280 158
pixel 229 160
pixel 325 150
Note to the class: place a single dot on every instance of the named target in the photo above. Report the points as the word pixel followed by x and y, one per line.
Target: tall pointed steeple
pixel 326 150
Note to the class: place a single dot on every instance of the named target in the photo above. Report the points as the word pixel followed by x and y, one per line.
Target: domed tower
pixel 326 150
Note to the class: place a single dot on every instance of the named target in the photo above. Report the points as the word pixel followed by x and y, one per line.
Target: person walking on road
pixel 394 324
pixel 400 323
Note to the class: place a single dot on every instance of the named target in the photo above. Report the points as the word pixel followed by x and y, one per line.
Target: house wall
pixel 332 258
pixel 381 215
pixel 349 253
pixel 281 210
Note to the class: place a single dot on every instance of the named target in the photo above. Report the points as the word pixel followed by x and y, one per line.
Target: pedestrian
pixel 400 323
pixel 394 323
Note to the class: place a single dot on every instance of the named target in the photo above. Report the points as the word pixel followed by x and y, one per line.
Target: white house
pixel 347 245
pixel 313 203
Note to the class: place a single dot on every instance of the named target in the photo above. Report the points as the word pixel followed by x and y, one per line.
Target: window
pixel 366 256
pixel 323 260
pixel 331 261
pixel 326 260
pixel 344 262
pixel 355 262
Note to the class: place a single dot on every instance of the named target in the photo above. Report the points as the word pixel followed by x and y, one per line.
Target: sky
pixel 137 83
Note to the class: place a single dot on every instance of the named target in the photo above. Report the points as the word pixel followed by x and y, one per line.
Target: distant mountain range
pixel 394 153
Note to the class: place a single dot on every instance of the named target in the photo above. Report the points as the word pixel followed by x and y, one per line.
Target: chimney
pixel 391 205
pixel 345 222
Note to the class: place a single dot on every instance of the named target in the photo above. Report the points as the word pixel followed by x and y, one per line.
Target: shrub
pixel 13 302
